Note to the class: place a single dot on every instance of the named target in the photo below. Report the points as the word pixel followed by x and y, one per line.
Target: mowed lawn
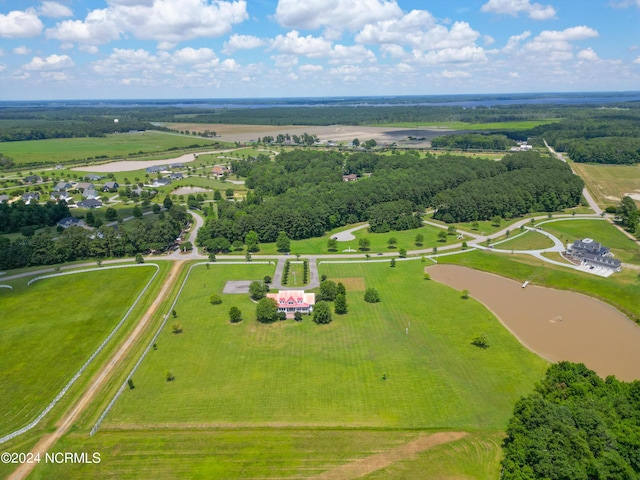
pixel 362 370
pixel 51 328
pixel 114 145
pixel 609 183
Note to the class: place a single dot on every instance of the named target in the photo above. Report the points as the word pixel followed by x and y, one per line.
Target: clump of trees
pixel 574 425
pixel 15 216
pixel 473 141
pixel 371 295
pixel 322 313
pixel 267 310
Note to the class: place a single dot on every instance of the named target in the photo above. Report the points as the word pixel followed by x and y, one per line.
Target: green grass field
pixel 115 145
pixel 51 328
pixel 500 126
pixel 609 183
pixel 527 241
pixel 293 373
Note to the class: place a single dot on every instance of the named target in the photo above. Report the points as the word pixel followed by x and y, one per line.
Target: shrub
pixel 235 315
pixel 322 313
pixel 371 295
pixel 215 299
pixel 176 328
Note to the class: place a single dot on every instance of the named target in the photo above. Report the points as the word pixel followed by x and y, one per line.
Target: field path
pixel 99 378
pixel 364 466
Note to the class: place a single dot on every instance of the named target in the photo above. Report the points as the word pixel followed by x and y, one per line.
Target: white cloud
pixel 22 50
pixel 393 50
pixel 470 54
pixel 514 75
pixel 91 49
pixel 588 55
pixel 407 29
pixel 352 54
pixel 1 52
pixel 308 68
pixel 18 24
pixel 334 16
pixel 309 46
pixel 535 11
pixel 3 67
pixel 54 10
pixel 241 42
pixel 170 21
pixel 193 56
pixel 455 74
pixel 514 41
pixel 637 61
pixel 52 62
pixel 626 3
pixel 555 40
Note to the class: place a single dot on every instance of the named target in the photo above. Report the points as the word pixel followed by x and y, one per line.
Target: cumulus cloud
pixel 22 50
pixel 160 20
pixel 309 46
pixel 455 74
pixel 308 68
pixel 192 56
pixel 54 10
pixel 334 16
pixel 469 54
pixel 559 40
pixel 52 62
pixel 588 55
pixel 241 42
pixel 535 11
pixel 20 24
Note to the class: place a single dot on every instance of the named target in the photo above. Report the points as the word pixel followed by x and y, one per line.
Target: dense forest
pixel 607 136
pixel 473 141
pixel 77 243
pixel 303 194
pixel 575 426
pixel 17 215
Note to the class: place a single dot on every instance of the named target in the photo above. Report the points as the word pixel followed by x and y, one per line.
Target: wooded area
pixel 575 426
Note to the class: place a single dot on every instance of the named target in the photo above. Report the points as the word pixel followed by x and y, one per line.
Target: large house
pixel 62 186
pixel 219 170
pixel 161 182
pixel 30 197
pixel 156 169
pixel 85 186
pixel 58 196
pixel 67 222
pixel 292 301
pixel 593 254
pixel 110 187
pixel 90 203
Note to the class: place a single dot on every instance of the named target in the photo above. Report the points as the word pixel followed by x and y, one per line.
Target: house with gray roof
pixel 593 254
pixel 110 186
pixel 90 193
pixel 62 186
pixel 30 197
pixel 58 196
pixel 90 203
pixel 4 198
pixel 93 177
pixel 67 222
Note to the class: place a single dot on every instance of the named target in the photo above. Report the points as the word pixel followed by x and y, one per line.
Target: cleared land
pixel 609 183
pixel 527 241
pixel 116 145
pixel 46 339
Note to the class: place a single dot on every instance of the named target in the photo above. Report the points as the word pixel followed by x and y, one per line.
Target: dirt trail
pixel 364 466
pixel 100 378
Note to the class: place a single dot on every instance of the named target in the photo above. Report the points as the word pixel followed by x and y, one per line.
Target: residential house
pixel 84 186
pixel 156 169
pixel 62 186
pixel 219 170
pixel 93 177
pixel 161 182
pixel 175 166
pixel 4 198
pixel 292 301
pixel 90 203
pixel 176 176
pixel 593 254
pixel 90 193
pixel 30 197
pixel 67 222
pixel 31 179
pixel 110 187
pixel 59 196
pixel 352 177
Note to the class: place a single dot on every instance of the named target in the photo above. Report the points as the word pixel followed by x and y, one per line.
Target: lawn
pixel 529 240
pixel 362 370
pixel 609 183
pixel 61 150
pixel 47 335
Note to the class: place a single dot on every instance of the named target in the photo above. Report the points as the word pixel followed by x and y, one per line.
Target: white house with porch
pixel 292 301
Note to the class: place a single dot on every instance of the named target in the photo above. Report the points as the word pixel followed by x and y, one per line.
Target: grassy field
pixel 609 183
pixel 516 125
pixel 292 373
pixel 47 335
pixel 115 145
pixel 527 241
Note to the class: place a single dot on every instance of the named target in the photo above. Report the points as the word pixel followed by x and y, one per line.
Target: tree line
pixel 575 426
pixel 17 215
pixel 475 141
pixel 77 243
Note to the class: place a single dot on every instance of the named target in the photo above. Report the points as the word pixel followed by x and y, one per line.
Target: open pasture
pixel 362 370
pixel 528 240
pixel 609 183
pixel 51 328
pixel 61 150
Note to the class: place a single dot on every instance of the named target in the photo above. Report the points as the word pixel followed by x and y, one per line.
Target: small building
pixel 90 203
pixel 593 254
pixel 292 301
pixel 175 166
pixel 176 176
pixel 67 222
pixel 4 198
pixel 90 193
pixel 352 177
pixel 155 169
pixel 110 187
pixel 59 196
pixel 161 182
pixel 30 197
pixel 220 170
pixel 85 186
pixel 93 177
pixel 62 186
pixel 31 179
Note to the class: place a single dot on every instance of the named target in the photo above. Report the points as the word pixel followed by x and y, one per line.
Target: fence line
pixel 64 390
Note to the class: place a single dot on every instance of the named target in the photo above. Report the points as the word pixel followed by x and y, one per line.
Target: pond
pixel 555 324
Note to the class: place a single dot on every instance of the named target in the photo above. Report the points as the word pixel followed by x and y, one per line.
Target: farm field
pixel 609 183
pixel 115 145
pixel 292 373
pixel 48 335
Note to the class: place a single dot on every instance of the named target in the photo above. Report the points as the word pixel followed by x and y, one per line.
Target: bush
pixel 235 315
pixel 267 310
pixel 297 316
pixel 168 374
pixel 176 328
pixel 340 304
pixel 215 299
pixel 257 290
pixel 322 313
pixel 371 295
pixel 480 341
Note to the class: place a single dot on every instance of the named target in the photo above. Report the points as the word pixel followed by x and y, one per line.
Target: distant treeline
pixel 77 243
pixel 473 141
pixel 608 136
pixel 575 426
pixel 303 193
pixel 14 217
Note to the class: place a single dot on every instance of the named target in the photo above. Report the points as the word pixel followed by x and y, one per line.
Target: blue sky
pixel 93 49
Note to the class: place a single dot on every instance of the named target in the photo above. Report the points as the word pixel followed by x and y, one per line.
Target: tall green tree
pixel 283 244
pixel 267 310
pixel 340 304
pixel 322 313
pixel 251 241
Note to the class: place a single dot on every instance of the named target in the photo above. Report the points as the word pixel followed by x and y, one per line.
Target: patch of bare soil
pixel 364 466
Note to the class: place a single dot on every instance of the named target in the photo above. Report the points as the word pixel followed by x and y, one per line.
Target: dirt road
pixel 101 377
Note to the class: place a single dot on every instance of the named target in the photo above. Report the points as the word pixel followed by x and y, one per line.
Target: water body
pixel 556 324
